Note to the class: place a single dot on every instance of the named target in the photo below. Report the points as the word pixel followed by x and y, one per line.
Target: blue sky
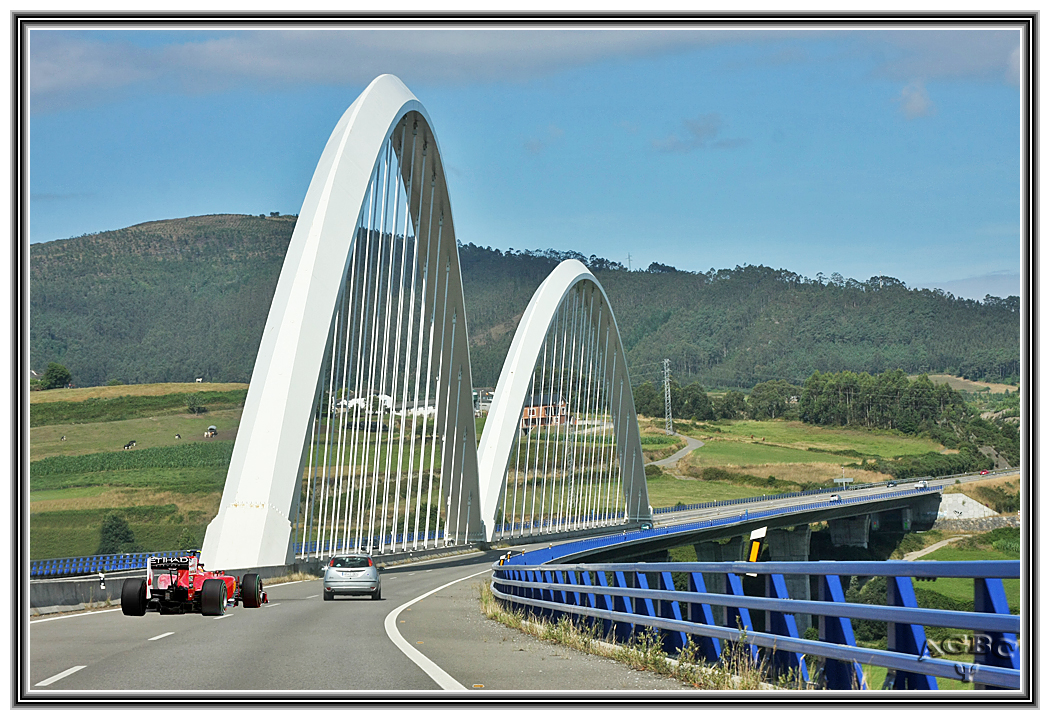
pixel 857 151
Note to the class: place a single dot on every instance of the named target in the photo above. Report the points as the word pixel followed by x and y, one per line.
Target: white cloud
pixel 915 101
pixel 66 67
pixel 86 66
pixel 999 284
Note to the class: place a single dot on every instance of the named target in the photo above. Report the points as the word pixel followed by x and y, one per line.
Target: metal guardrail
pixel 620 599
pixel 545 555
pixel 801 493
pixel 92 564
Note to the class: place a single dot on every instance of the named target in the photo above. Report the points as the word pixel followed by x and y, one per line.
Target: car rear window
pixel 350 562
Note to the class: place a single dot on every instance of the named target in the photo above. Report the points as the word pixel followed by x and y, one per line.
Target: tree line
pixel 177 299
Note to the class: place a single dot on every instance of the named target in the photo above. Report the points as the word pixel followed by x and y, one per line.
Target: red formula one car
pixel 175 586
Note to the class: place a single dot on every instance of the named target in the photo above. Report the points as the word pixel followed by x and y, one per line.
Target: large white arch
pixel 261 498
pixel 503 426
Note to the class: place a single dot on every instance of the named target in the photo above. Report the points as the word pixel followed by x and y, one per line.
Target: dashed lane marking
pixel 158 637
pixel 64 673
pixel 66 617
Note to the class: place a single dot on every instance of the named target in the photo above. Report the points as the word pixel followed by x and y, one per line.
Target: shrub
pixel 56 376
pixel 115 535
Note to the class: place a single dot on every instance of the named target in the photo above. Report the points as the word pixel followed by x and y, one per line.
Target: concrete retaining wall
pixel 979 524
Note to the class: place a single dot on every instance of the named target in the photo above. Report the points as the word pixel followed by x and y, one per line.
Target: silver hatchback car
pixel 352 574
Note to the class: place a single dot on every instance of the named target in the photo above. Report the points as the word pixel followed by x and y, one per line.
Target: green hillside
pixel 177 299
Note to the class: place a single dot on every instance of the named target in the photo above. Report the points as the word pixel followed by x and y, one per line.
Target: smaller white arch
pixel 503 423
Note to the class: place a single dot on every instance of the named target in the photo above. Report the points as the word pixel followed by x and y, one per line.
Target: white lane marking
pixel 311 597
pixel 162 635
pixel 290 582
pixel 269 605
pixel 66 617
pixel 64 673
pixel 220 617
pixel 442 678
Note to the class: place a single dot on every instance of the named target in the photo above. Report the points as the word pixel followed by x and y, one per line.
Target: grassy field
pixel 802 436
pixel 158 431
pixel 969 386
pixel 668 490
pixel 167 488
pixel 106 392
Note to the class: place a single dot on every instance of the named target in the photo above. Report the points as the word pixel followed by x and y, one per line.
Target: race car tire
pixel 213 597
pixel 251 590
pixel 133 597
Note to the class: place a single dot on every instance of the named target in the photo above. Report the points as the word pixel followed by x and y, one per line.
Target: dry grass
pixel 1004 481
pixel 736 671
pixel 811 472
pixel 959 383
pixel 112 391
pixel 207 503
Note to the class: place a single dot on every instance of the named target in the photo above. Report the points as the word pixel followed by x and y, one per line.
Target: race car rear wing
pixel 167 566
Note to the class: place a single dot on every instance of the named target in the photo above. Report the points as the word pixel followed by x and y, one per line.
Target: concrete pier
pixel 727 551
pixel 792 545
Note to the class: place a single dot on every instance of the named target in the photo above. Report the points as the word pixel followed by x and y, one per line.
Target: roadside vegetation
pixel 737 671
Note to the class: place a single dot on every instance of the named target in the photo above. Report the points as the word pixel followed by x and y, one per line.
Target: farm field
pixel 158 431
pixel 801 436
pixel 969 386
pixel 168 489
pixel 106 392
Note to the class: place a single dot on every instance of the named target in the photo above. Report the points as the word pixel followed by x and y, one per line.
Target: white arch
pixel 502 426
pixel 260 500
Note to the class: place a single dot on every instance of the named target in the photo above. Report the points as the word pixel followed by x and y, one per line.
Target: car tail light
pixel 369 562
pixel 331 562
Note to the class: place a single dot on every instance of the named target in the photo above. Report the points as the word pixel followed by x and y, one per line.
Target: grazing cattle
pixel 63 437
pixel 200 380
pixel 178 437
pixel 128 446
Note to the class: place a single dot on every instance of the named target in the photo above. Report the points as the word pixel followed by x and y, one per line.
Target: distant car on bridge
pixel 985 472
pixel 834 498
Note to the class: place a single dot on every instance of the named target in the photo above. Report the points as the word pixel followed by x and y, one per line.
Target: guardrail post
pixel 673 641
pixel 994 648
pixel 575 599
pixel 623 631
pixel 906 638
pixel 739 617
pixel 553 578
pixel 701 613
pixel 784 624
pixel 838 674
pixel 644 606
pixel 606 603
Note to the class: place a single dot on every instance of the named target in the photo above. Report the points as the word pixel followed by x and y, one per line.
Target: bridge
pixel 358 431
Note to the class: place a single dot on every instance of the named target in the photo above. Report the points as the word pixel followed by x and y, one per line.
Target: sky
pixel 855 150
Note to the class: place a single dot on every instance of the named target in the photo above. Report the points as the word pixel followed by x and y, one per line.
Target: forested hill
pixel 177 299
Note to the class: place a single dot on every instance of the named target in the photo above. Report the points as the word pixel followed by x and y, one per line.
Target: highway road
pixel 685 516
pixel 426 635
pixel 300 646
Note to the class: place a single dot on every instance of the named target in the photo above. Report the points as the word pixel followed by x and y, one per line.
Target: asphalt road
pixel 299 645
pixel 684 516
